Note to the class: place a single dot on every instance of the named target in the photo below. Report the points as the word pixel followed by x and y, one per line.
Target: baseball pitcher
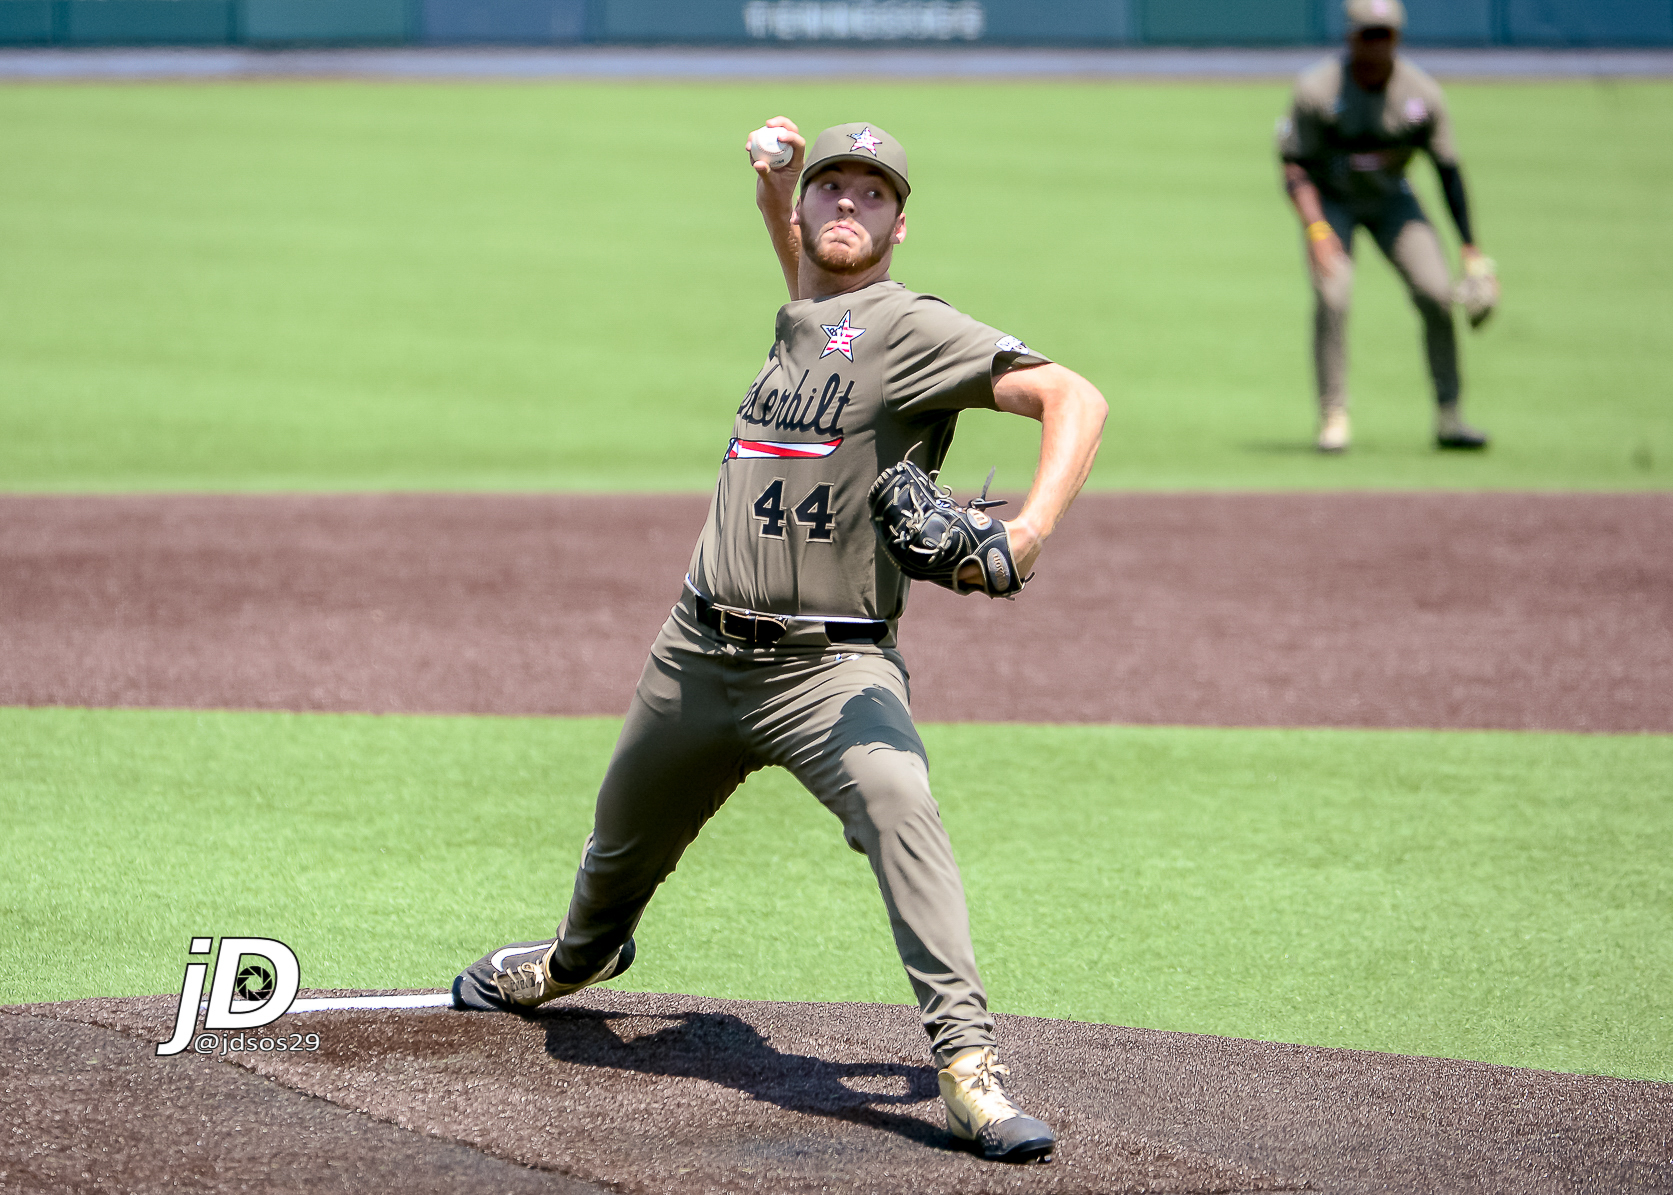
pixel 1353 127
pixel 782 650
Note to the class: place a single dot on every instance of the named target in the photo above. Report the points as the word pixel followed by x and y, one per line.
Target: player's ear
pixel 900 229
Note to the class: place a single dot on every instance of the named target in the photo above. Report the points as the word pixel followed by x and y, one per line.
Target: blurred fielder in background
pixel 1353 126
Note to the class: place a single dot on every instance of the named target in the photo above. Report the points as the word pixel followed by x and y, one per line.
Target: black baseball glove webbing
pixel 931 538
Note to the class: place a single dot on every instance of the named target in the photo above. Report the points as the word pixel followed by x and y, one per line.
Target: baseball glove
pixel 1478 291
pixel 931 537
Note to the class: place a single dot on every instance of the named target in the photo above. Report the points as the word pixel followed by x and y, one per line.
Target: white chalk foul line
pixel 331 1003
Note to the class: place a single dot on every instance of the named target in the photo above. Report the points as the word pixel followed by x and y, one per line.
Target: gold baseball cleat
pixel 979 1111
pixel 1334 433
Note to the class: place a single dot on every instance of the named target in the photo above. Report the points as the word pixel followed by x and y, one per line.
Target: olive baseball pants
pixel 1410 243
pixel 707 712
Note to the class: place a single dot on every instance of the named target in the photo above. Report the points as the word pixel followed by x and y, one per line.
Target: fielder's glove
pixel 1478 291
pixel 931 537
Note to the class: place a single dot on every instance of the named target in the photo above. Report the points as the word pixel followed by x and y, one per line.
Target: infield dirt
pixel 1468 610
pixel 674 1094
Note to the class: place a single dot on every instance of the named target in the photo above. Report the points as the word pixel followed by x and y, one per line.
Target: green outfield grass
pixel 1503 897
pixel 338 285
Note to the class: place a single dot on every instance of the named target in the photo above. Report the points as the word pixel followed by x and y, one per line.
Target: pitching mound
pixel 652 1093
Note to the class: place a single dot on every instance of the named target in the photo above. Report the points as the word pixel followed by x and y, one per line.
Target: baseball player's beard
pixel 846 259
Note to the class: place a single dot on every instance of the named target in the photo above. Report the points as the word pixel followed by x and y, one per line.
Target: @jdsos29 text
pixel 254 985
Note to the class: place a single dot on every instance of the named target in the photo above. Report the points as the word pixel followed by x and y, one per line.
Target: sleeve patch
pixel 1010 344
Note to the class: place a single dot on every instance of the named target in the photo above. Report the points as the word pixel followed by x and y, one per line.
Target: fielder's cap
pixel 859 143
pixel 1375 14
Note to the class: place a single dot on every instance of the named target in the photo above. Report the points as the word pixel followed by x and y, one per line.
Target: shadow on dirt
pixel 724 1049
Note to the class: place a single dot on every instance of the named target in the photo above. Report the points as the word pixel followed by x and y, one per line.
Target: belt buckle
pixel 758 630
pixel 745 626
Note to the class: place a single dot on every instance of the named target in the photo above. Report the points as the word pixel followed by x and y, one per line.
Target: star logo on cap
pixel 842 336
pixel 864 140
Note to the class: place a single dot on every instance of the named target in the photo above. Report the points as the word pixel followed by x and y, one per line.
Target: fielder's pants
pixel 709 711
pixel 1411 245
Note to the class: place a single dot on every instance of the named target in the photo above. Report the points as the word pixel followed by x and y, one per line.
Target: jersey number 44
pixel 812 512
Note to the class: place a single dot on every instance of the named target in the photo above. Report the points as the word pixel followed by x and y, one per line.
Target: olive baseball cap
pixel 1375 14
pixel 859 143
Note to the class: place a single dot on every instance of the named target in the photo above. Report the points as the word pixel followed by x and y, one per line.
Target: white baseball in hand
pixel 764 146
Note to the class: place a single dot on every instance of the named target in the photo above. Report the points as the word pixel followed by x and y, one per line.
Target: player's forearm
pixel 1071 414
pixel 1457 200
pixel 1303 194
pixel 775 194
pixel 785 236
pixel 1070 434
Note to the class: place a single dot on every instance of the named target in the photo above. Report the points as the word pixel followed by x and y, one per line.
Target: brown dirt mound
pixel 671 1094
pixel 91 1109
pixel 1517 611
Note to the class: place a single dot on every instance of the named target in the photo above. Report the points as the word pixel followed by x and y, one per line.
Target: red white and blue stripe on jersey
pixel 744 450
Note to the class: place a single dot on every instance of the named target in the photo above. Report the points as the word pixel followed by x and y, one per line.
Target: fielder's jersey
pixel 851 384
pixel 1355 144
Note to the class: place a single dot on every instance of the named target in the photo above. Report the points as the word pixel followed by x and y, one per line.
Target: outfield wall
pixel 1004 22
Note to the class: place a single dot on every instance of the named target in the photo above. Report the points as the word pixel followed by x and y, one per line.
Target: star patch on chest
pixel 842 336
pixel 864 140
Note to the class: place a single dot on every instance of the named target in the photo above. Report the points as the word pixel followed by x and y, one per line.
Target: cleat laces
pixel 531 983
pixel 986 1090
pixel 519 984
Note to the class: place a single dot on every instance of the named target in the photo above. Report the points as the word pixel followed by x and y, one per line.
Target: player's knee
pixel 894 812
pixel 1430 286
pixel 627 871
pixel 891 792
pixel 1335 292
pixel 1433 304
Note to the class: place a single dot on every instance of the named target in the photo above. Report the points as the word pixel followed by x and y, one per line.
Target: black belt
pixel 764 630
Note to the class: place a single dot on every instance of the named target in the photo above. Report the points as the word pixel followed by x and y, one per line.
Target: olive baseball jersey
pixel 851 384
pixel 1355 144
